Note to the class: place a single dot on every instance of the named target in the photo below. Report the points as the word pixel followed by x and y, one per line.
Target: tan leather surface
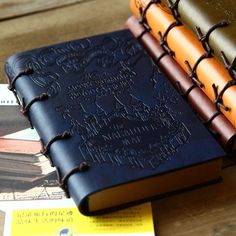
pixel 187 47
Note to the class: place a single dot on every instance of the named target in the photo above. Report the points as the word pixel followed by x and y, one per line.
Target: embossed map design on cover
pixel 110 121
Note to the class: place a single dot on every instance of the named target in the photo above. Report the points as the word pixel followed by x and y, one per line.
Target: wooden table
pixel 24 24
pixel 209 211
pixel 30 26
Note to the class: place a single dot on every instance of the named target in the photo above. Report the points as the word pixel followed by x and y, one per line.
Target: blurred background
pixel 27 24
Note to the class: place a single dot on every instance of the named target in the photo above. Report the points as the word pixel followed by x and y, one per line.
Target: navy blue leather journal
pixel 110 122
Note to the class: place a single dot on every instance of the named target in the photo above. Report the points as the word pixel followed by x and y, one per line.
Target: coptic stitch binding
pixel 204 39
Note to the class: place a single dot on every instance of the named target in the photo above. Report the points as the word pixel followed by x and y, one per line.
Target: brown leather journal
pixel 204 69
pixel 197 99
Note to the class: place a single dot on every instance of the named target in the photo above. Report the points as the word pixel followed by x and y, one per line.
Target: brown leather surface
pixel 196 98
pixel 186 46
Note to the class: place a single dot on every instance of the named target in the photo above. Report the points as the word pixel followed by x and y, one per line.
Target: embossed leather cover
pixel 186 47
pixel 205 14
pixel 125 119
pixel 196 97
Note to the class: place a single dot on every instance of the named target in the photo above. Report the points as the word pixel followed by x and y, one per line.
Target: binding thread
pixel 12 82
pixel 143 12
pixel 45 148
pixel 163 41
pixel 185 95
pixel 192 70
pixel 187 92
pixel 143 19
pixel 205 38
pixel 208 122
pixel 25 108
pixel 230 67
pixel 146 29
pixel 160 57
pixel 84 166
pixel 174 8
pixel 218 101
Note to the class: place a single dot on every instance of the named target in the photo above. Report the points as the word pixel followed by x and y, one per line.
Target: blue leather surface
pixel 125 118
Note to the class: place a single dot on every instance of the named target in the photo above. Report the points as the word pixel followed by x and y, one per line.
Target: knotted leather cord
pixel 12 82
pixel 25 107
pixel 84 166
pixel 45 148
